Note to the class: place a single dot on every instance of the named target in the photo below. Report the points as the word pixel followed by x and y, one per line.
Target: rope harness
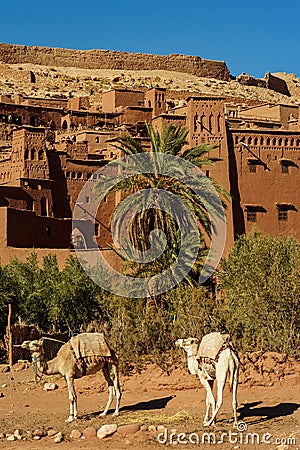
pixel 37 376
pixel 224 346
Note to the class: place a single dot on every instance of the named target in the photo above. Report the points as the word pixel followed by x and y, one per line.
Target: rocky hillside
pixel 37 80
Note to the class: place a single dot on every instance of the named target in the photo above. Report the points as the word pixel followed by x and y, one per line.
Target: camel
pixel 209 370
pixel 70 366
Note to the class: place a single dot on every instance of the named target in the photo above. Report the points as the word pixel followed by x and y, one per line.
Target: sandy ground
pixel 270 410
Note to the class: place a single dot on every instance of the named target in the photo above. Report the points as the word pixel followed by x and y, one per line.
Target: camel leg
pixel 210 400
pixel 221 379
pixel 118 394
pixel 111 376
pixel 234 394
pixel 72 399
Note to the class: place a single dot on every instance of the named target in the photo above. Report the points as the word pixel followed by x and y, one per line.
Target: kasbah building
pixel 57 144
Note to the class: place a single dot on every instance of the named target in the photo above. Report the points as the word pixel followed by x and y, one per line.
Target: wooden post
pixel 9 338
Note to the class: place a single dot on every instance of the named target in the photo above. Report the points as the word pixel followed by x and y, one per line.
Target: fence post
pixel 9 338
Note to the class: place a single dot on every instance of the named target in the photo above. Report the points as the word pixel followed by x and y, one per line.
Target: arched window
pixel 44 206
pixel 79 175
pixel 280 142
pixel 73 175
pixel 249 140
pixel 26 153
pixel 64 125
pixel 268 141
pixel 210 122
pixel 97 139
pixel 274 142
pixel 41 155
pixel 286 142
pixel 89 176
pixel 292 142
pixel 195 122
pixel 219 123
pixel 68 174
pixel 261 141
pixel 255 141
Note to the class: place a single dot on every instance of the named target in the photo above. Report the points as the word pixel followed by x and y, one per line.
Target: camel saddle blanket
pixel 90 345
pixel 211 345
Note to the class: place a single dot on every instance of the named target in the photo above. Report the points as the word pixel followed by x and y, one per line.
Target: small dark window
pixel 87 199
pixel 251 216
pixel 284 168
pixel 252 168
pixel 282 214
pixel 207 173
pixel 97 229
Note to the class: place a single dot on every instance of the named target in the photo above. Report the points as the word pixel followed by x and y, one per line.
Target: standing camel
pixel 209 370
pixel 71 363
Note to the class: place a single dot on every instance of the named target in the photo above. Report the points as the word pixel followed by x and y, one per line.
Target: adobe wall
pixel 24 228
pixel 107 59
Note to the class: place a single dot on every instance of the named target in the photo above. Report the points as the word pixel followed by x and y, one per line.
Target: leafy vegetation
pixel 261 283
pixel 258 303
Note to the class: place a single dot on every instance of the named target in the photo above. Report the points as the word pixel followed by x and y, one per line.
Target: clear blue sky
pixel 251 36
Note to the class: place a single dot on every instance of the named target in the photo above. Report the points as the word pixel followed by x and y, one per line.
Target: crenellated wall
pixel 108 59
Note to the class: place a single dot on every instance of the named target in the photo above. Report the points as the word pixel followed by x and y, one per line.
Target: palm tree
pixel 170 142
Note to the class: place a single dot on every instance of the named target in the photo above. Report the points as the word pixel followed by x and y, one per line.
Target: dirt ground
pixel 269 407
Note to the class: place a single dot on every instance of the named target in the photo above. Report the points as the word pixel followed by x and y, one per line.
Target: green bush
pixel 261 282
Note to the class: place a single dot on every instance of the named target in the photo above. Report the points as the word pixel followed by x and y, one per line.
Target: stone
pixel 75 434
pixel 59 437
pixel 161 428
pixel 39 433
pixel 144 427
pixel 10 437
pixel 50 387
pixel 128 429
pixel 152 428
pixel 2 435
pixel 17 434
pixel 36 438
pixel 89 433
pixel 106 430
pixel 51 432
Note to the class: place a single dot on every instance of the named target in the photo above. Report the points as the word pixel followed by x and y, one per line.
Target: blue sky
pixel 252 37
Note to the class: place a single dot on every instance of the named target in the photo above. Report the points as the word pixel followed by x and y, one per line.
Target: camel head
pixel 190 345
pixel 35 347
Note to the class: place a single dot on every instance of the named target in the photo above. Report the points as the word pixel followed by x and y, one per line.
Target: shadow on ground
pixel 265 413
pixel 157 403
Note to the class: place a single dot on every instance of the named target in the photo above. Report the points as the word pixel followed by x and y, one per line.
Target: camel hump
pixel 211 344
pixel 90 345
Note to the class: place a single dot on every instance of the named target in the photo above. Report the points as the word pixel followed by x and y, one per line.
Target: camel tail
pixel 231 374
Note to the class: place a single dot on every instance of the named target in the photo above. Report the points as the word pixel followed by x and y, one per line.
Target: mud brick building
pixel 53 146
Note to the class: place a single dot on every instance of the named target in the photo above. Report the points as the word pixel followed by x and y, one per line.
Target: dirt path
pixel 271 412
